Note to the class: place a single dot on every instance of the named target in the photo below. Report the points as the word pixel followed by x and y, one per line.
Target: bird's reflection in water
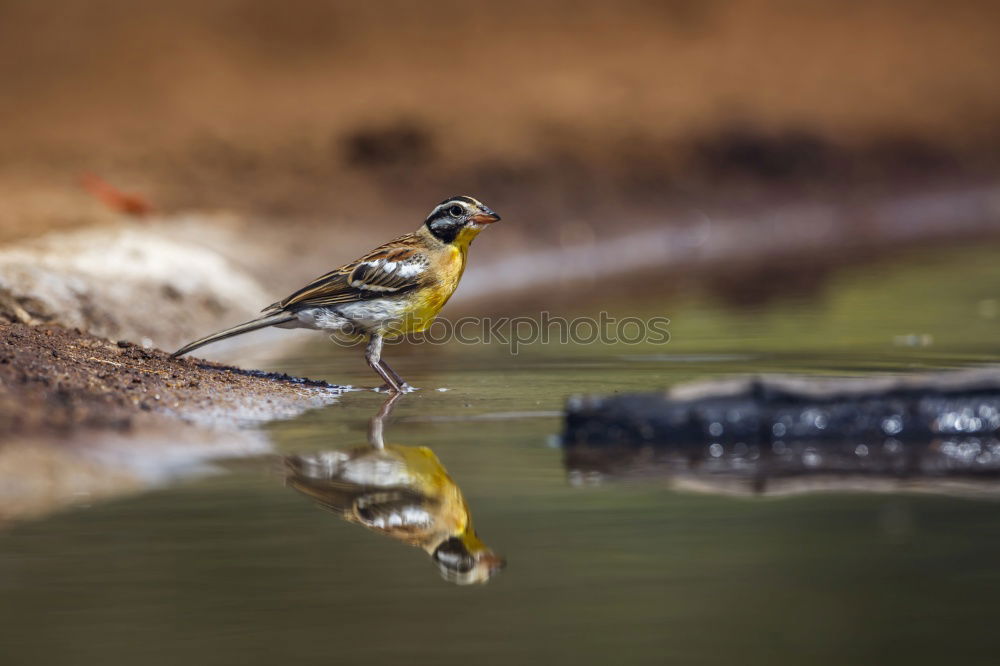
pixel 401 491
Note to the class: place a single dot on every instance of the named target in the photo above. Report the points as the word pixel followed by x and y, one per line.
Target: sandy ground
pixel 56 380
pixel 84 419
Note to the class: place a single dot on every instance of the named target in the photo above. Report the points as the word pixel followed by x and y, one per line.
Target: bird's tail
pixel 246 327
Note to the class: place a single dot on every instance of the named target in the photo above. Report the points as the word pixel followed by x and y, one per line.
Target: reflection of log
pixel 943 426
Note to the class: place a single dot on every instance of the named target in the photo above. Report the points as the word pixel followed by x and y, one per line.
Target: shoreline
pixel 89 310
pixel 84 418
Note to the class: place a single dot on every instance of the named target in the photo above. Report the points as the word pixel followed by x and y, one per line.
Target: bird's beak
pixel 485 217
pixel 493 563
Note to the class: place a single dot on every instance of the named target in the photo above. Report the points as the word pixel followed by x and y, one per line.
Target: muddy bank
pixel 55 380
pixel 83 418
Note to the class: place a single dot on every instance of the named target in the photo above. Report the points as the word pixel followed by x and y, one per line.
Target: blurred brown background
pixel 309 110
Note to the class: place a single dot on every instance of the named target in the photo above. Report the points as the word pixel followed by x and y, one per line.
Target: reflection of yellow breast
pixel 402 492
pixel 430 478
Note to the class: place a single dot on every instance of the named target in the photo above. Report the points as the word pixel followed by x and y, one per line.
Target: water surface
pixel 238 568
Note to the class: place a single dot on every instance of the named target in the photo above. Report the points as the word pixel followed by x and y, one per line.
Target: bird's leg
pixel 399 380
pixel 377 422
pixel 373 354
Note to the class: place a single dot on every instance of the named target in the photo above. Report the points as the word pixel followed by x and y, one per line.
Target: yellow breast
pixel 448 266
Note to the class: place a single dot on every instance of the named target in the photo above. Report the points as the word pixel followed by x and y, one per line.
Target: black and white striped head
pixel 465 560
pixel 459 218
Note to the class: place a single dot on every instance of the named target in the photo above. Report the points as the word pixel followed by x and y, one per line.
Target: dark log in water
pixel 756 431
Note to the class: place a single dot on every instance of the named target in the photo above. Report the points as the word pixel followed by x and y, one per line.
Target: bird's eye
pixel 455 211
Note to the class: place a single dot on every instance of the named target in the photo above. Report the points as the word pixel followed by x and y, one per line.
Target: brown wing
pixel 394 268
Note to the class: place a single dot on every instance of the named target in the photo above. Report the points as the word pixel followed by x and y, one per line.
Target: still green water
pixel 240 569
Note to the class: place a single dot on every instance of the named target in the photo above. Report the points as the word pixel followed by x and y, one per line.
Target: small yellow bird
pixel 403 492
pixel 395 289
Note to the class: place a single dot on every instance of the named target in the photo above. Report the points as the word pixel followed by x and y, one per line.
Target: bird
pixel 403 492
pixel 396 289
